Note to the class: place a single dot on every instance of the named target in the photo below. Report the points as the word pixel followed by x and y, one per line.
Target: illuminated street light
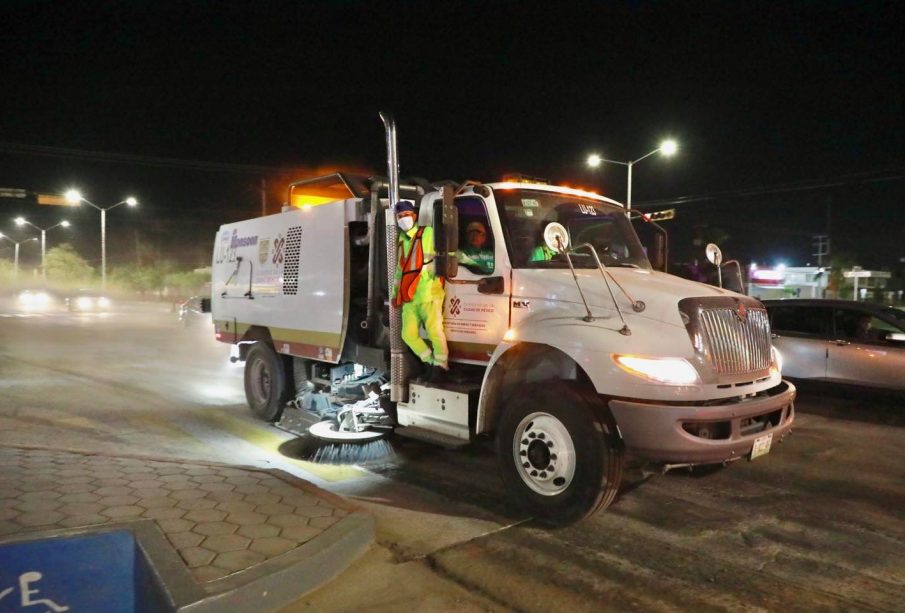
pixel 21 221
pixel 16 258
pixel 74 196
pixel 667 148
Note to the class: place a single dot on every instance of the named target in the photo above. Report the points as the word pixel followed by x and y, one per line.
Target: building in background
pixel 787 282
pixel 814 282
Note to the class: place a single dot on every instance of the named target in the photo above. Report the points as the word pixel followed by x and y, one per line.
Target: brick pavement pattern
pixel 221 519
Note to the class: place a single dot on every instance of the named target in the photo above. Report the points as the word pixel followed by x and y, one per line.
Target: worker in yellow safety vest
pixel 418 290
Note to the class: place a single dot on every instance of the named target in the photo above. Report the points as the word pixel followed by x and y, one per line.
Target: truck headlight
pixel 776 365
pixel 676 371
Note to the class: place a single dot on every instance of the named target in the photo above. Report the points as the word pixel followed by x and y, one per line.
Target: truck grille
pixel 733 344
pixel 731 333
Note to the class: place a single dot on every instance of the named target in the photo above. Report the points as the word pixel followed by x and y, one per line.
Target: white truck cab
pixel 567 344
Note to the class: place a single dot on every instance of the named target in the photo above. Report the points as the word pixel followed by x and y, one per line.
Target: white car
pixel 841 341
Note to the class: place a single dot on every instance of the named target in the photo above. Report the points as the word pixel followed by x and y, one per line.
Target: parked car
pixel 88 301
pixel 840 340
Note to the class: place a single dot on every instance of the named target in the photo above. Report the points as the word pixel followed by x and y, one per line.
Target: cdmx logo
pixel 455 306
pixel 279 245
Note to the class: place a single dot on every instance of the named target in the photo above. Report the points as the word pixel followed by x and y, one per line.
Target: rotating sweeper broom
pixel 357 434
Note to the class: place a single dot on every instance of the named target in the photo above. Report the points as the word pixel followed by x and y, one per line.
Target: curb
pixel 266 586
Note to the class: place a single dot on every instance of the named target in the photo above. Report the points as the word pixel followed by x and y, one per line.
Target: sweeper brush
pixel 357 435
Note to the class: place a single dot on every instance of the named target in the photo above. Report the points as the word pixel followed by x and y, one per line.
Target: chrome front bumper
pixel 698 434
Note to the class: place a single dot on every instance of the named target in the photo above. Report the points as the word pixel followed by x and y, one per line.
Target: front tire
pixel 560 455
pixel 267 387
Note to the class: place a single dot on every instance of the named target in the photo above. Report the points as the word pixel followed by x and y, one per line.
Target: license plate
pixel 762 445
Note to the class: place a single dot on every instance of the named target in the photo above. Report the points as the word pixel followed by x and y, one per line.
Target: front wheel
pixel 559 452
pixel 267 387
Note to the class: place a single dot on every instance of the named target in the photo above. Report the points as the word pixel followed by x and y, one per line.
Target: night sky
pixel 790 117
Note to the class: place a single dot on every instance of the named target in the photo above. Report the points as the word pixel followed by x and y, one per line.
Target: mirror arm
pixel 562 249
pixel 604 273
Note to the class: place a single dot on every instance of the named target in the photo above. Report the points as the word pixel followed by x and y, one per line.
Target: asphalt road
pixel 818 524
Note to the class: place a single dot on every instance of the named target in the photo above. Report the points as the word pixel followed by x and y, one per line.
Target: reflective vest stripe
pixel 411 269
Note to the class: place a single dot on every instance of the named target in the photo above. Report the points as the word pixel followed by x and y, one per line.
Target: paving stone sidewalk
pixel 220 519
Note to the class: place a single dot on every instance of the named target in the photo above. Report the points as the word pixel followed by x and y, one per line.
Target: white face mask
pixel 407 223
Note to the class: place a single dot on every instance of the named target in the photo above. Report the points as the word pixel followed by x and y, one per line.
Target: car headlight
pixel 84 302
pixel 776 363
pixel 34 300
pixel 675 371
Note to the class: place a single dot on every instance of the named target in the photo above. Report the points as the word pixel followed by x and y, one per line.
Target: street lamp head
pixel 65 223
pixel 130 201
pixel 73 196
pixel 669 147
pixel 20 221
pixel 594 160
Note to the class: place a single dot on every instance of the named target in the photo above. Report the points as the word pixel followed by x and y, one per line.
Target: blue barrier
pixel 101 573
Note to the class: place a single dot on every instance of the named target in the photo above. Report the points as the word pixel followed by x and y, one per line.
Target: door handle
pixel 840 342
pixel 491 285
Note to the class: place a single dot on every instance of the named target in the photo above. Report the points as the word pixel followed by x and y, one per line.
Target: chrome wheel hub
pixel 544 454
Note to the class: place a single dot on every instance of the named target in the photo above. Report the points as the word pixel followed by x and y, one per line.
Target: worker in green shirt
pixel 541 254
pixel 475 255
pixel 418 290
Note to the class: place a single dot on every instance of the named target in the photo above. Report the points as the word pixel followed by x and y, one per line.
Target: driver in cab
pixel 476 256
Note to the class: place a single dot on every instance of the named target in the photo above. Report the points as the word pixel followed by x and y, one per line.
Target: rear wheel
pixel 559 453
pixel 267 384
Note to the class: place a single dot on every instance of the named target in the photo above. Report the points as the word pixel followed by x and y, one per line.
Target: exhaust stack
pixel 398 374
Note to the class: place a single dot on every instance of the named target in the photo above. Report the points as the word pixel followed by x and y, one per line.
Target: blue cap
pixel 405 205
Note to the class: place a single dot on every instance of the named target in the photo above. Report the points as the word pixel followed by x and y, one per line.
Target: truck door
pixel 476 311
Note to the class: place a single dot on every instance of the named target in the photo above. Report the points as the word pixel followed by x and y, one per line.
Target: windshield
pixel 525 213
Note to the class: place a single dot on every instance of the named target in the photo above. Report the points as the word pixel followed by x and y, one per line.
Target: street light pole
pixel 16 253
pixel 75 197
pixel 21 221
pixel 667 148
pixel 104 248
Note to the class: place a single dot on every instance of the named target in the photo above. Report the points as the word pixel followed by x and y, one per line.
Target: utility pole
pixel 821 247
pixel 263 196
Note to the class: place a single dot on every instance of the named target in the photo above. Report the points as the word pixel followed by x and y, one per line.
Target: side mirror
pixel 556 237
pixel 714 254
pixel 446 234
pixel 657 250
pixel 716 258
pixel 205 305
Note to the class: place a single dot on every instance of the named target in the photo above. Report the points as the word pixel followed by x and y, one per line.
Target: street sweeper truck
pixel 569 344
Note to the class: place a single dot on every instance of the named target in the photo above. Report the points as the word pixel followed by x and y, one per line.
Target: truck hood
pixel 660 292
